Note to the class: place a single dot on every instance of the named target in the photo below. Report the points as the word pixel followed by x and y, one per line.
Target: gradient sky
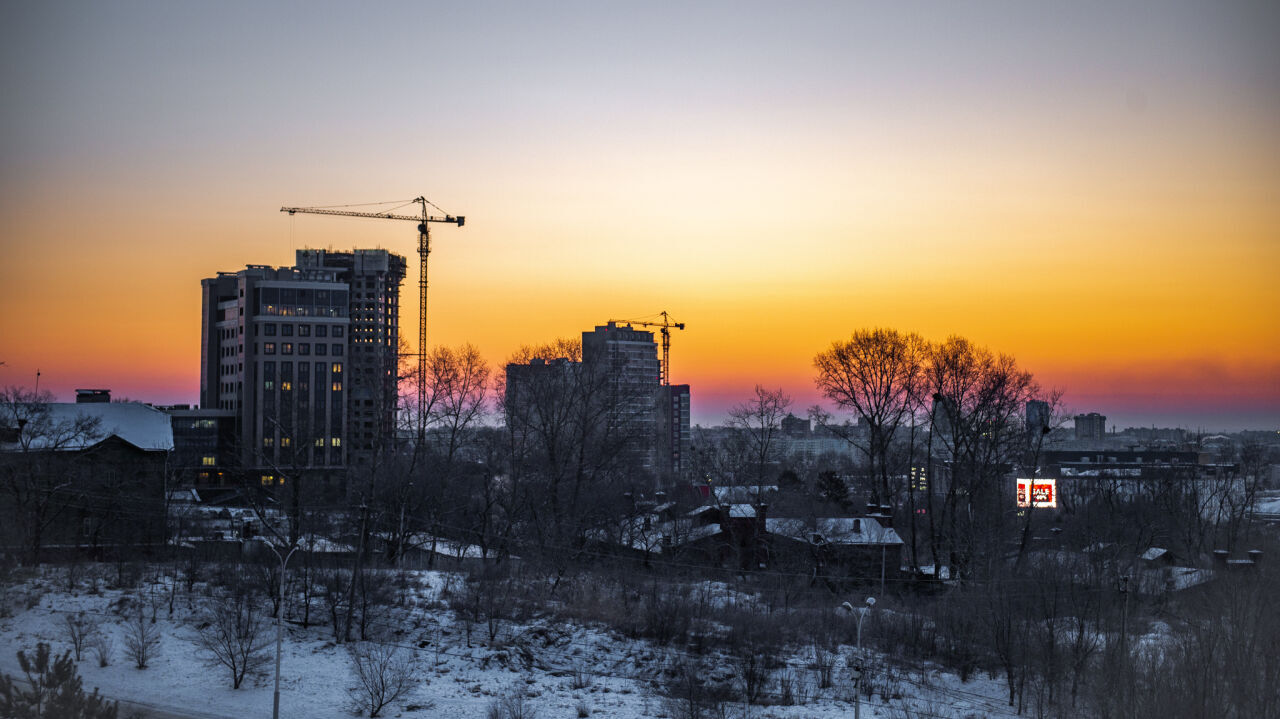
pixel 1093 188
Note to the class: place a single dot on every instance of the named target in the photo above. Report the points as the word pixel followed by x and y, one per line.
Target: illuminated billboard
pixel 1037 493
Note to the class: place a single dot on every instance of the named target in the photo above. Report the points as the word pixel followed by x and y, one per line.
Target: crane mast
pixel 424 250
pixel 665 330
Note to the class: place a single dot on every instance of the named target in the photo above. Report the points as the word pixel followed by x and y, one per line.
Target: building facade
pixel 1091 426
pixel 626 360
pixel 279 351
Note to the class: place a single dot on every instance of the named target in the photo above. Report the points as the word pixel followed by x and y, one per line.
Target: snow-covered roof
pixel 742 493
pixel 142 426
pixel 742 510
pixel 835 530
pixel 1154 553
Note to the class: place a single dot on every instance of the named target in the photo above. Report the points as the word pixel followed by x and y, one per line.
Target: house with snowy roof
pixel 863 548
pixel 85 477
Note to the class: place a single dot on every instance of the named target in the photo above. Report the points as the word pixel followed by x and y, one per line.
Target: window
pixel 337 350
pixel 337 386
pixel 269 348
pixel 322 349
pixel 269 330
pixel 304 348
pixel 304 330
pixel 337 331
pixel 286 348
pixel 208 461
pixel 268 441
pixel 285 386
pixel 286 442
pixel 319 441
pixel 268 385
pixel 335 442
pixel 337 368
pixel 322 331
pixel 267 479
pixel 286 330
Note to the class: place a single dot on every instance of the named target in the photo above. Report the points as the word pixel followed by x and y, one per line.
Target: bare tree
pixel 574 435
pixel 382 673
pixel 758 423
pixel 878 375
pixel 141 639
pixel 232 635
pixel 79 629
pixel 978 399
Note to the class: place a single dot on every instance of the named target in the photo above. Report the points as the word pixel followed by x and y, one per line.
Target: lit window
pixel 268 441
pixel 337 386
pixel 319 441
pixel 286 348
pixel 336 368
pixel 269 348
pixel 336 442
pixel 208 461
pixel 268 479
pixel 286 386
pixel 268 384
pixel 286 441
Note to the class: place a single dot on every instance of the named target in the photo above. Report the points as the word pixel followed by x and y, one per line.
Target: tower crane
pixel 666 324
pixel 424 249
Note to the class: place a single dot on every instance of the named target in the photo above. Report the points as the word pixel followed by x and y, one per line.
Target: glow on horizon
pixel 1092 193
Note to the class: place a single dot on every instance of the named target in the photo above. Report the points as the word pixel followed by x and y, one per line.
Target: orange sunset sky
pixel 1092 189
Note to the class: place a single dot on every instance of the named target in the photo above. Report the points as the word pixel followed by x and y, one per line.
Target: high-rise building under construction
pixel 304 359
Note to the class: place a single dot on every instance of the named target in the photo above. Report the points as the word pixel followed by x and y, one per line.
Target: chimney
pixel 1220 557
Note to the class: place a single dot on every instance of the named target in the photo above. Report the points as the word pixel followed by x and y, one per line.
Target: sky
pixel 1093 188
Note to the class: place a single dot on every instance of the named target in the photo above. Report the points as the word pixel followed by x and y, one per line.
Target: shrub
pixel 55 690
pixel 382 675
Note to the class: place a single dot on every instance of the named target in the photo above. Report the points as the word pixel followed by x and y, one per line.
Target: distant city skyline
pixel 1088 188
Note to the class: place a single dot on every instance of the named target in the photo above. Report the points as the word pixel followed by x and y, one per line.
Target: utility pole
pixel 858 668
pixel 284 563
pixel 355 576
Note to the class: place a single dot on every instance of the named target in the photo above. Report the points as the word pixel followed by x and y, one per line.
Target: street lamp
pixel 284 562
pixel 857 668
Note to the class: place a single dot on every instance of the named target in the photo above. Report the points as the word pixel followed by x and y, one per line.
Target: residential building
pixel 626 361
pixel 304 358
pixel 1092 426
pixel 675 438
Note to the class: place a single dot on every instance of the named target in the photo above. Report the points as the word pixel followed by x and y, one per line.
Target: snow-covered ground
pixel 559 668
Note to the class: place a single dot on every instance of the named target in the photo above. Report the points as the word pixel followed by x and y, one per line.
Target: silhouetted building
pixel 91 396
pixel 1091 426
pixel 675 438
pixel 1038 417
pixel 279 350
pixel 627 360
pixel 794 426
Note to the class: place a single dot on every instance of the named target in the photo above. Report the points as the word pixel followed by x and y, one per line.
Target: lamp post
pixel 284 563
pixel 857 668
